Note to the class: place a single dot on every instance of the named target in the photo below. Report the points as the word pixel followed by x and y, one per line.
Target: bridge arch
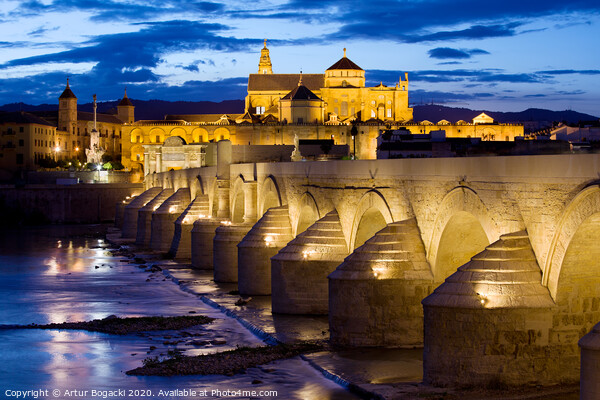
pixel 196 186
pixel 270 195
pixel 238 201
pixel 462 229
pixel 571 267
pixel 372 215
pixel 308 213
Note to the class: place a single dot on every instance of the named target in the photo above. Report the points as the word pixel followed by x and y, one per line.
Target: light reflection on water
pixel 50 275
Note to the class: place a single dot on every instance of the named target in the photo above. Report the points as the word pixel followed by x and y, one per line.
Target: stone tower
pixel 125 109
pixel 67 110
pixel 264 65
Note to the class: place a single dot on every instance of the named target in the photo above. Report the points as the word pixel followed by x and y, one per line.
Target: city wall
pixel 81 203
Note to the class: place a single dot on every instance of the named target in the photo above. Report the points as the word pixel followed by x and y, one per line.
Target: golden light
pixel 378 270
pixel 57 149
pixel 76 148
pixel 172 209
pixel 268 240
pixel 155 208
pixel 226 223
pixel 307 253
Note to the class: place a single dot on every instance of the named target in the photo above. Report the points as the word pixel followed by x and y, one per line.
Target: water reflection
pixel 51 275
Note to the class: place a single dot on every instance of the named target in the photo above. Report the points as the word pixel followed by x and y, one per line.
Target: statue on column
pixel 95 152
pixel 296 156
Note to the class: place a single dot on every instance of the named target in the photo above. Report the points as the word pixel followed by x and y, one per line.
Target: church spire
pixel 264 65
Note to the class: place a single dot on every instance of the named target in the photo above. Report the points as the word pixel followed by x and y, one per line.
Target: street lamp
pixel 56 150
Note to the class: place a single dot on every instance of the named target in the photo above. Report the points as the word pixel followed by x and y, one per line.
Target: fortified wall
pixel 489 263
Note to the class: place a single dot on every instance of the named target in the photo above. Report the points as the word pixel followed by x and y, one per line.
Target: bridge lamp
pixel 268 240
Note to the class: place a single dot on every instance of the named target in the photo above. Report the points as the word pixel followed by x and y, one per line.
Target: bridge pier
pixel 163 219
pixel 130 213
pixel 203 234
pixel 590 365
pixel 375 294
pixel 144 222
pixel 120 210
pixel 225 251
pixel 181 246
pixel 269 235
pixel 490 322
pixel 299 271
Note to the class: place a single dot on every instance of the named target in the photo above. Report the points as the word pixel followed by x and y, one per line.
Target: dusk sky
pixel 496 55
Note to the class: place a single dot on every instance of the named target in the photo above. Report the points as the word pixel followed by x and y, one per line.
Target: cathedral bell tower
pixel 264 65
pixel 125 109
pixel 67 110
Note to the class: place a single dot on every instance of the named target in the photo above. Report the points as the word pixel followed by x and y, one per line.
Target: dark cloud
pixel 571 71
pixel 145 47
pixel 447 52
pixel 143 85
pixel 41 31
pixel 110 10
pixel 457 75
pixel 535 95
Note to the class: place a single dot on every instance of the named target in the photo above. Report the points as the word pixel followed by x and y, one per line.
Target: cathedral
pixel 338 95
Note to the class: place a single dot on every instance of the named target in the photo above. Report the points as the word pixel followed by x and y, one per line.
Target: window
pixel 389 113
pixel 373 115
pixel 21 143
pixel 77 131
pixel 344 108
pixel 20 159
pixel 157 139
pixel 260 110
pixel 21 129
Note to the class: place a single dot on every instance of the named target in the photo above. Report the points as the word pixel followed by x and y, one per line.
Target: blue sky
pixel 499 55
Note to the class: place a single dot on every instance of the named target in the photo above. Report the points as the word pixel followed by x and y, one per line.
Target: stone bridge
pixel 489 263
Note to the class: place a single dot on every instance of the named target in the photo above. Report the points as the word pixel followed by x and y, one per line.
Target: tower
pixel 264 65
pixel 125 109
pixel 67 110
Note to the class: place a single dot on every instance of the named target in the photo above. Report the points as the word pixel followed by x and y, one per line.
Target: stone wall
pixel 82 203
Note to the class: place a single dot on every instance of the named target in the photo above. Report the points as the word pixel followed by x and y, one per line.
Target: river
pixel 65 273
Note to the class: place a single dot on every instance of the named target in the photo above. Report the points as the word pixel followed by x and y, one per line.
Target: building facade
pixel 24 139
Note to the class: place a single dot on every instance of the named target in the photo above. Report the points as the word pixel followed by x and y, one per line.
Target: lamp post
pixel 56 150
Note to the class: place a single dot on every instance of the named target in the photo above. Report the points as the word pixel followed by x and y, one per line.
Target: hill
pixel 434 113
pixel 157 109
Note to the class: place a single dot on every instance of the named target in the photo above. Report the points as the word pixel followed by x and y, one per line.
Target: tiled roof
pixel 207 118
pixel 345 63
pixel 68 94
pixel 301 93
pixel 125 102
pixel 284 82
pixel 22 117
pixel 107 118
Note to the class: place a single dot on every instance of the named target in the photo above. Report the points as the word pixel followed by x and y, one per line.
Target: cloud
pixel 143 86
pixel 570 71
pixel 447 52
pixel 41 31
pixel 145 47
pixel 457 75
pixel 111 10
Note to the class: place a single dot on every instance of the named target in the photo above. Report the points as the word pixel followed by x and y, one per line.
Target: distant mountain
pixel 435 113
pixel 146 109
pixel 157 109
